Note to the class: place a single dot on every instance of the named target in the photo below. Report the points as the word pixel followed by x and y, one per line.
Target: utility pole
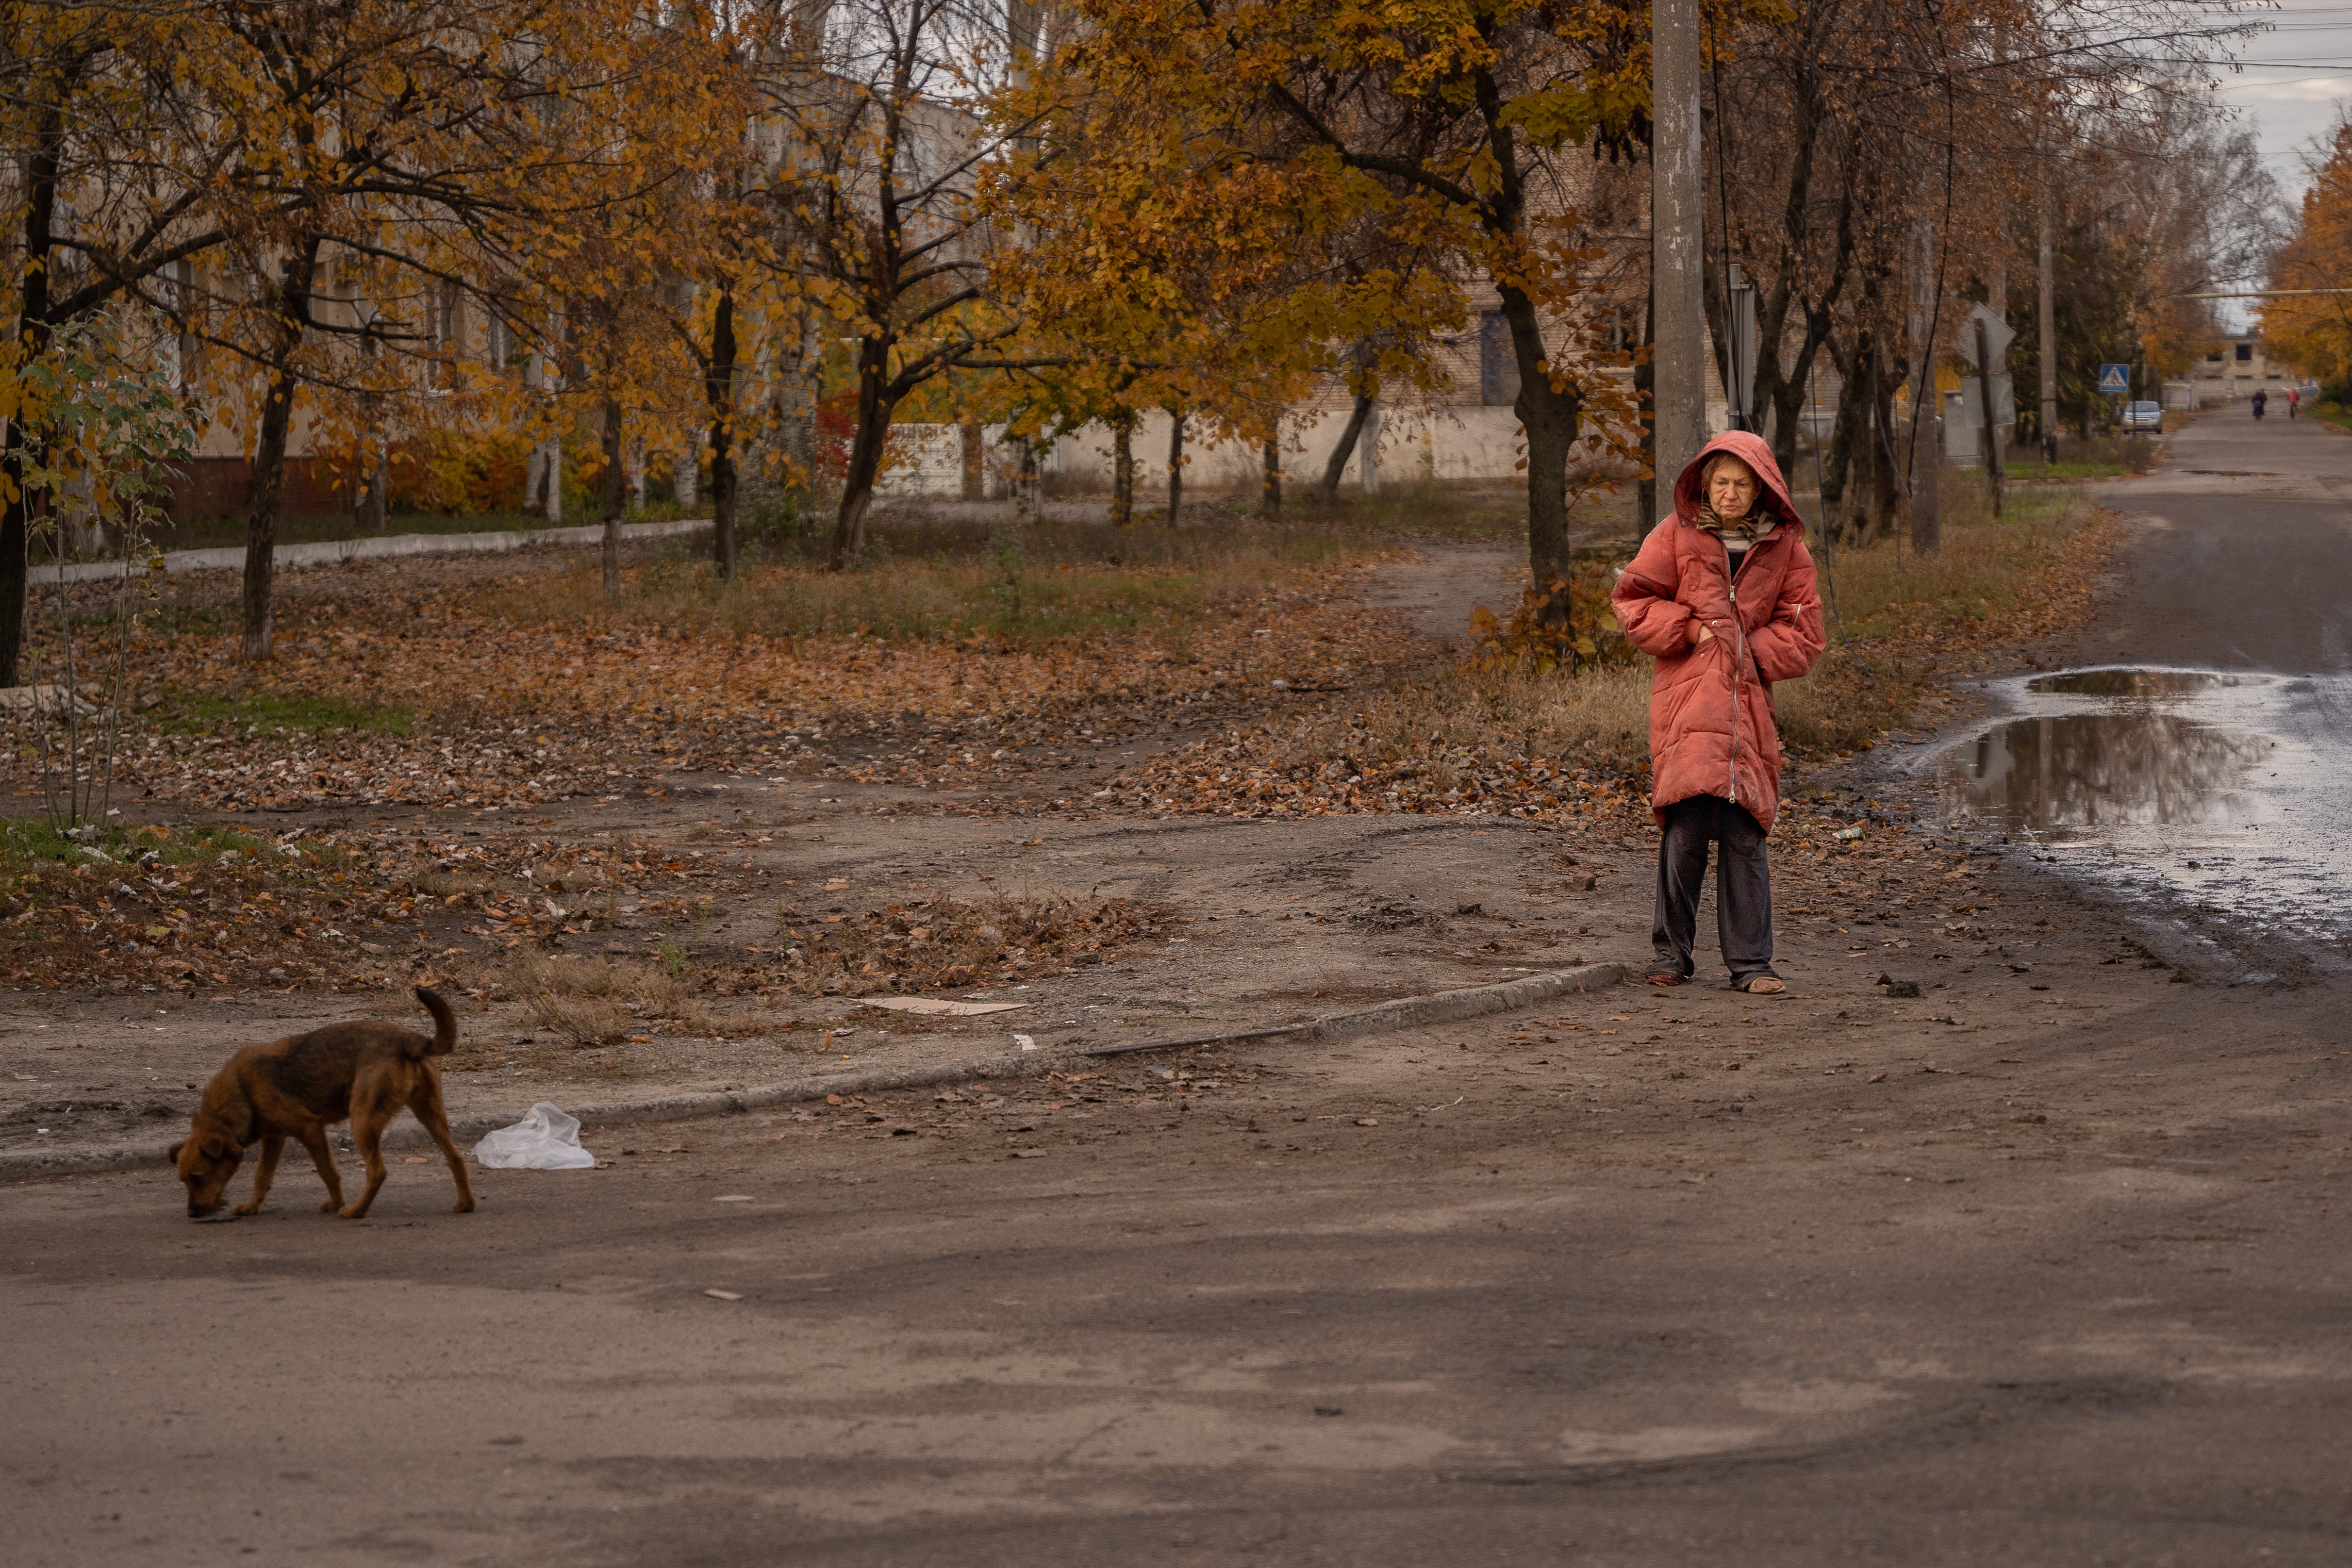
pixel 1991 431
pixel 2046 332
pixel 1678 368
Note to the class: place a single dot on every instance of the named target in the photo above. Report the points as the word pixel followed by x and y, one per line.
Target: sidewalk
pixel 480 1102
pixel 328 552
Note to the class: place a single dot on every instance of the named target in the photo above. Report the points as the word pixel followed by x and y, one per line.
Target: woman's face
pixel 1731 489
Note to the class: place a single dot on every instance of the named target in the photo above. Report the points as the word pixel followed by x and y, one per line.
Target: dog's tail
pixel 444 1022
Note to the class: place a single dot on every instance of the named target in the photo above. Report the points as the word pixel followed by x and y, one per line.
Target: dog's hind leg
pixel 273 1144
pixel 368 1114
pixel 426 1103
pixel 314 1138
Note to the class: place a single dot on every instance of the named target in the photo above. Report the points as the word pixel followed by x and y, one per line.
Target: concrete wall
pixel 1399 447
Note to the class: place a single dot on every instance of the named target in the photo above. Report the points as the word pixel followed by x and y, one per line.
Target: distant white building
pixel 2233 372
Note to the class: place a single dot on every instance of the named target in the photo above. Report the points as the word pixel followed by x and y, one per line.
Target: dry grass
pixel 941 942
pixel 1462 735
pixel 599 1002
pixel 1046 581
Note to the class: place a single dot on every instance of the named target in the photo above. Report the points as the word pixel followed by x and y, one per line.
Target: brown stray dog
pixel 296 1088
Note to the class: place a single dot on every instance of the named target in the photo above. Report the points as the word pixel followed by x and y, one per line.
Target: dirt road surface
pixel 2045 1265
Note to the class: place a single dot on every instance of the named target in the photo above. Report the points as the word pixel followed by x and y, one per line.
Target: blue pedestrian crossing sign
pixel 2114 380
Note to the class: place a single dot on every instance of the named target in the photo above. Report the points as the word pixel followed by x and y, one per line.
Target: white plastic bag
pixel 546 1140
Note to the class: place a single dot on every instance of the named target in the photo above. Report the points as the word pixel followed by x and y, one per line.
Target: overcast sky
pixel 2294 76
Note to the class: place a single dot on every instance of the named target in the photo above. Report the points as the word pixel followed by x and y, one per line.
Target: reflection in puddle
pixel 2131 683
pixel 2216 793
pixel 2085 771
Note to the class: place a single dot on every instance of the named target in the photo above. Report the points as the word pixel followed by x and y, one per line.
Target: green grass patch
pixel 2334 413
pixel 30 843
pixel 2033 472
pixel 189 713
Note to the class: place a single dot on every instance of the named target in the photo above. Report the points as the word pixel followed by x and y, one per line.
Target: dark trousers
pixel 1743 887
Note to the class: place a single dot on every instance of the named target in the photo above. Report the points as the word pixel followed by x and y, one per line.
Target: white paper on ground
pixel 939 1006
pixel 545 1140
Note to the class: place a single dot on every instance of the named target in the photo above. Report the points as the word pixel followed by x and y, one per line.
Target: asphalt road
pixel 2051 1282
pixel 2242 555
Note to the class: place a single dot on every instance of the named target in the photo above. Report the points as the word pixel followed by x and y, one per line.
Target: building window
pixel 2245 353
pixel 1498 363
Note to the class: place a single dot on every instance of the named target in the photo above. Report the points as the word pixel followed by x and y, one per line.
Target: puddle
pixel 2131 683
pixel 2072 774
pixel 2210 789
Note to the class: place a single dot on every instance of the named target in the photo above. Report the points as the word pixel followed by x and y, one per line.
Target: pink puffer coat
pixel 1711 729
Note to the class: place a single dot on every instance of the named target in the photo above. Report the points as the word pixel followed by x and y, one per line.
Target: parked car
pixel 2144 415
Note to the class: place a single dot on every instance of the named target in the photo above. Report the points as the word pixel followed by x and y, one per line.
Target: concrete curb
pixel 1406 1012
pixel 328 552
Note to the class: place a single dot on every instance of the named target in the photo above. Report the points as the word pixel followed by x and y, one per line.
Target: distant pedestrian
pixel 2260 399
pixel 2294 398
pixel 1721 595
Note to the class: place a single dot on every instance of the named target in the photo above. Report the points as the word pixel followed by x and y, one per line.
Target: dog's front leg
pixel 314 1138
pixel 272 1145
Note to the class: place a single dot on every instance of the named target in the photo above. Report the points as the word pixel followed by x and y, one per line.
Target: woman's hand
pixel 1698 631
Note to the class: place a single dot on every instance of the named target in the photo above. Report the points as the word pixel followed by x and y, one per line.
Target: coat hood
pixel 1751 449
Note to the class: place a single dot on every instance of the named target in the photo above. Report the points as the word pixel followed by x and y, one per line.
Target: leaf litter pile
pixel 393 685
pixel 396 683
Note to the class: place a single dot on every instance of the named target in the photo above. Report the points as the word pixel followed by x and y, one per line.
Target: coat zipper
pixel 1739 664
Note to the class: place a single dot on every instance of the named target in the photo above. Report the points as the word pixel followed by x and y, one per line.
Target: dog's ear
pixel 216 1144
pixel 172 1154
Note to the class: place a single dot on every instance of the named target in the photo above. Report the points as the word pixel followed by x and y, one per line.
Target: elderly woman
pixel 1722 596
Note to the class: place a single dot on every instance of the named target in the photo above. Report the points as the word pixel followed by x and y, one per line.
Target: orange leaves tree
pixel 1434 139
pixel 878 118
pixel 2314 332
pixel 95 208
pixel 1169 261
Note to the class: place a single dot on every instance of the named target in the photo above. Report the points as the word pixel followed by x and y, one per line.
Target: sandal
pixel 1761 985
pixel 1665 977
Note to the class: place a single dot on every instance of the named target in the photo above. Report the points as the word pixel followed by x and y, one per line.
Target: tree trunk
pixel 375 481
pixel 32 337
pixel 1175 464
pixel 1122 469
pixel 1926 470
pixel 725 485
pixel 975 458
pixel 549 503
pixel 261 513
pixel 686 472
pixel 609 483
pixel 865 449
pixel 1852 417
pixel 719 390
pixel 293 313
pixel 1337 466
pixel 1551 420
pixel 1925 461
pixel 1269 492
pixel 1886 480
